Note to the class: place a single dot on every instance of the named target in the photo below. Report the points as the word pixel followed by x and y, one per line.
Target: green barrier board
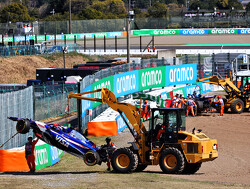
pixel 42 156
pixel 102 83
pixel 179 91
pixel 222 31
pixel 151 78
pixel 156 32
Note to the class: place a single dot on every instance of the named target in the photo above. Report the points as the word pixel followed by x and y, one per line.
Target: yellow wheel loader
pixel 166 142
pixel 238 97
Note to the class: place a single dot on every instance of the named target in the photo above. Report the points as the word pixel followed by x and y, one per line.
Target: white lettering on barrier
pixel 125 83
pixel 105 84
pixel 164 32
pixel 245 31
pixel 153 77
pixel 181 74
pixel 206 87
pixel 41 156
pixel 120 123
pixel 193 32
pixel 223 31
pixel 54 153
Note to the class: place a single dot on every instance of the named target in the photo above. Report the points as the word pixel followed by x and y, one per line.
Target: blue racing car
pixel 66 139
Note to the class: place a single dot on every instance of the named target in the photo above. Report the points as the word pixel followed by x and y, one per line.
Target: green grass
pixel 71 172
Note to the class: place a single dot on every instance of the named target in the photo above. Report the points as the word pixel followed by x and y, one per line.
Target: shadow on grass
pixel 162 173
pixel 48 173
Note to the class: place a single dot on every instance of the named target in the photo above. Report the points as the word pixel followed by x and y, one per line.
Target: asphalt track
pixel 174 42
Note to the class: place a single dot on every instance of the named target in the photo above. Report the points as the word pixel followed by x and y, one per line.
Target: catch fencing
pixel 15 104
pixel 51 100
pixel 27 50
pixel 110 25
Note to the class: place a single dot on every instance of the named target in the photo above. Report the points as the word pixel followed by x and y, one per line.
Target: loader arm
pixel 227 84
pixel 131 112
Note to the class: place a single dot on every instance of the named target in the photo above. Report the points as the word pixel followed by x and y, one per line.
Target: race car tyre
pixel 140 167
pixel 124 160
pixel 91 158
pixel 191 168
pixel 237 106
pixel 172 161
pixel 199 106
pixel 23 126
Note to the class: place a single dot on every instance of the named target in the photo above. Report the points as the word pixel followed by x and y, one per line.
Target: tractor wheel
pixel 237 106
pixel 124 160
pixel 140 167
pixel 91 158
pixel 23 126
pixel 172 161
pixel 191 168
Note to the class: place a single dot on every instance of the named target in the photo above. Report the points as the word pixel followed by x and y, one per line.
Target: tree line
pixel 58 10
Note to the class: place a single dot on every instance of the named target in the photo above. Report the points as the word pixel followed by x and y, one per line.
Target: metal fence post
pixel 199 65
pixel 115 43
pixel 140 43
pixel 94 43
pixel 186 59
pixel 104 43
pixel 55 39
pixel 84 43
pixel 174 60
pixel 213 64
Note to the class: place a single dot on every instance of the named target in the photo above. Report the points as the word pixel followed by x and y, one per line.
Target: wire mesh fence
pixel 15 104
pixel 38 49
pixel 51 100
pixel 178 20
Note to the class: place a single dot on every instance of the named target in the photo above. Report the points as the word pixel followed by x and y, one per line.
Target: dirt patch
pixel 232 132
pixel 19 69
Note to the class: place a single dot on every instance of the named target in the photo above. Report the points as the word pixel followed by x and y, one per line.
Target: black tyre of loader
pixel 237 106
pixel 23 126
pixel 191 168
pixel 172 161
pixel 124 160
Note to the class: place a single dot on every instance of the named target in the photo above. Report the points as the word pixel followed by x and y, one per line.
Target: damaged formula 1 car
pixel 66 139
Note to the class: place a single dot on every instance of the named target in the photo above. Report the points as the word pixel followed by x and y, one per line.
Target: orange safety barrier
pixel 104 128
pixel 13 160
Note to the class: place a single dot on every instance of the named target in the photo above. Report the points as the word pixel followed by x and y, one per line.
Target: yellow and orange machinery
pixel 165 142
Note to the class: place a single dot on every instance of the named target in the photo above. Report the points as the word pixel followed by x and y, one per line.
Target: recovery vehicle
pixel 166 142
pixel 238 97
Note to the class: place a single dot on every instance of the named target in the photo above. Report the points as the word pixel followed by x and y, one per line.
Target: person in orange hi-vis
pixel 181 102
pixel 30 153
pixel 110 149
pixel 172 105
pixel 144 110
pixel 221 104
pixel 190 104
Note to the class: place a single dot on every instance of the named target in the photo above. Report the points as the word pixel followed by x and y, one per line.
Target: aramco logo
pixel 150 78
pixel 181 74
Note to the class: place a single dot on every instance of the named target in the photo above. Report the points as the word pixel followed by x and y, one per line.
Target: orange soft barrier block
pixel 104 128
pixel 11 160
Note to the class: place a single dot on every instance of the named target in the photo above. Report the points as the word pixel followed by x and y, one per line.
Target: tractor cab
pixel 165 125
pixel 243 83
